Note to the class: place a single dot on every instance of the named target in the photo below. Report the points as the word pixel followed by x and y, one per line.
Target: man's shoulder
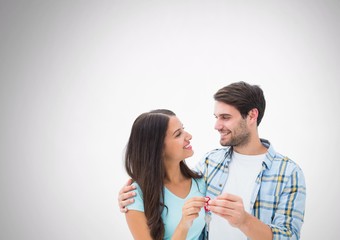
pixel 213 156
pixel 280 161
pixel 217 152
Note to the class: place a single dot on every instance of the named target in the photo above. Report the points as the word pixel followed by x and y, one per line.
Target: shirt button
pixel 220 185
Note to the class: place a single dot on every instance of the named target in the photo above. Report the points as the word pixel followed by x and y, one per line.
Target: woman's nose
pixel 188 137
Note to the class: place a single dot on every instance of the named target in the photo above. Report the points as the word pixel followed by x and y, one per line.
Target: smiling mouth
pixel 223 134
pixel 187 146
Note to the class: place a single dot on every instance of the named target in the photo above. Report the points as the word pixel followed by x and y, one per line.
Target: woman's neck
pixel 177 183
pixel 173 174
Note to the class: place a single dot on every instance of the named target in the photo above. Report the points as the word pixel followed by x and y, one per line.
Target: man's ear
pixel 253 114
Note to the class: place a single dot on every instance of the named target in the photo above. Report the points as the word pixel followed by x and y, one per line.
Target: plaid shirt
pixel 278 197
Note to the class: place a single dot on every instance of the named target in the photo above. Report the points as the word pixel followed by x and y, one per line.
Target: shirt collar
pixel 270 153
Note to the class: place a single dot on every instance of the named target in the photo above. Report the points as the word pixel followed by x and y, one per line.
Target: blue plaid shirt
pixel 279 194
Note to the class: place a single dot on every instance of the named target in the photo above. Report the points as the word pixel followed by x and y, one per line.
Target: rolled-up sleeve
pixel 289 214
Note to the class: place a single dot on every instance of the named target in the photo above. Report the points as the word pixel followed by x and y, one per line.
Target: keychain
pixel 207 217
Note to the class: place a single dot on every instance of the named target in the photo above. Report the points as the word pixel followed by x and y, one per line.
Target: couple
pixel 249 190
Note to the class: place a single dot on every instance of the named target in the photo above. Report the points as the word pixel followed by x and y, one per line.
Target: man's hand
pixel 126 195
pixel 229 207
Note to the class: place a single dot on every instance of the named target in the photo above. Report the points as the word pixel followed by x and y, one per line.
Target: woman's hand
pixel 191 210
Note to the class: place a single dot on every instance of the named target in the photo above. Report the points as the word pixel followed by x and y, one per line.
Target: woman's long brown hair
pixel 144 163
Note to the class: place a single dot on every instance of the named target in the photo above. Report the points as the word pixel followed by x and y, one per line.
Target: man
pixel 256 193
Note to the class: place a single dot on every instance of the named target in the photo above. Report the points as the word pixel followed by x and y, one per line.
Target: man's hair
pixel 244 97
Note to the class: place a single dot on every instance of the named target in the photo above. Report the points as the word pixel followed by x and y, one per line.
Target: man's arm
pixel 126 196
pixel 289 214
pixel 287 219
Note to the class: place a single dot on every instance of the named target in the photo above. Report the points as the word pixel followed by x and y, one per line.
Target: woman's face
pixel 177 141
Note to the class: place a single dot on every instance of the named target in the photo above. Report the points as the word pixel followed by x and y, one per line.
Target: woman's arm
pixel 137 223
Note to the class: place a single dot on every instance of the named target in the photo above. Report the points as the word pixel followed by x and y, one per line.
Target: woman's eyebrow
pixel 179 129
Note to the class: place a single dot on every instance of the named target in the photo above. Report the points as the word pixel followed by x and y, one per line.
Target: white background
pixel 75 74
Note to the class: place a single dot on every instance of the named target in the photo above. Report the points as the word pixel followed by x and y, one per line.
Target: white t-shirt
pixel 243 171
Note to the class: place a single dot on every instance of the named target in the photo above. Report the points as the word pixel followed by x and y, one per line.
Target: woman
pixel 170 197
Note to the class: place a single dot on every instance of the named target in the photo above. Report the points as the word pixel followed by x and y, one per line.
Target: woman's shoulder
pixel 135 184
pixel 138 199
pixel 138 189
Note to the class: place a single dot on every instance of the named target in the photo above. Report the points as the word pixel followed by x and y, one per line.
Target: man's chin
pixel 224 143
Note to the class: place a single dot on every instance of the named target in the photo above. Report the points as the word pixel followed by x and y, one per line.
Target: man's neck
pixel 253 147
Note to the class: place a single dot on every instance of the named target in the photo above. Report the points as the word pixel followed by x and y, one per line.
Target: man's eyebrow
pixel 223 115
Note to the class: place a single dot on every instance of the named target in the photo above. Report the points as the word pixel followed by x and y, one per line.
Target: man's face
pixel 231 126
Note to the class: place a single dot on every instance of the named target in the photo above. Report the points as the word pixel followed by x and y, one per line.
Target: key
pixel 207 218
pixel 205 207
